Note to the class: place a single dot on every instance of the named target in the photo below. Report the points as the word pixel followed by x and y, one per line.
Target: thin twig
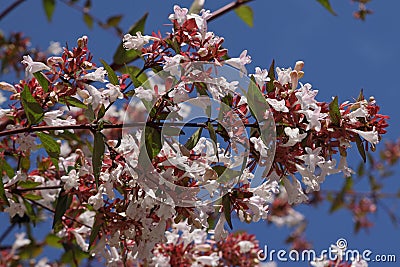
pixel 227 8
pixel 70 4
pixel 38 188
pixel 53 211
pixel 10 8
pixel 107 126
pixel 6 232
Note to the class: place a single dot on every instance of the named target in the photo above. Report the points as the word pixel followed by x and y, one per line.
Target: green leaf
pixel 196 7
pixel 334 112
pixel 32 197
pixel 102 112
pixel 62 204
pixel 225 175
pixel 361 96
pixel 213 137
pixel 3 193
pixel 121 56
pixel 192 141
pixel 271 75
pixel 114 21
pixel 73 255
pixel 95 229
pixel 246 14
pixel 53 241
pixel 44 83
pixel 88 19
pixel 25 163
pixel 49 6
pixel 28 184
pixel 72 101
pixel 136 75
pixel 33 110
pixel 5 167
pixel 153 142
pixel 98 153
pixel 338 202
pixel 89 113
pixel 111 74
pixel 327 5
pixel 226 204
pixel 360 147
pixel 51 146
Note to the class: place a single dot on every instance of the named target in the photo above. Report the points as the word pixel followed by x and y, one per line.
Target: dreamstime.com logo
pixel 334 252
pixel 200 107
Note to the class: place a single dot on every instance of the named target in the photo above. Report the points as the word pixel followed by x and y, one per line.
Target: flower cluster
pixel 198 248
pixel 115 194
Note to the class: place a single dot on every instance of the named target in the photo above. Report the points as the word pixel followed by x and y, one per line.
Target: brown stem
pixel 227 8
pixel 95 19
pixel 106 126
pixel 53 211
pixel 10 8
pixel 38 188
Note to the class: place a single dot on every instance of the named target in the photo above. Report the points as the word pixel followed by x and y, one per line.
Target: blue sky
pixel 341 55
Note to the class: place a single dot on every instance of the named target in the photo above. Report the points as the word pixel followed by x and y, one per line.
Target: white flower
pixel 370 136
pixel 97 76
pixel 172 64
pixel 71 180
pixel 19 176
pixel 7 87
pixel 358 262
pixel 309 178
pixel 245 246
pixel 135 42
pixel 311 158
pixel 96 200
pixel 96 98
pixel 347 172
pixel 179 14
pixel 294 191
pixel 327 168
pixel 26 142
pixel 278 105
pixel 292 218
pixel 283 75
pixel 113 92
pixel 80 240
pixel 240 62
pixel 20 241
pixel 260 146
pixel 33 66
pixel 259 208
pixel 219 232
pixel 294 136
pixel 320 262
pixel 15 208
pixel 51 118
pixel 43 263
pixel 361 112
pixel 261 76
pixel 54 48
pixel 305 97
pixel 212 260
pixel 313 117
pixel 4 112
pixel 145 94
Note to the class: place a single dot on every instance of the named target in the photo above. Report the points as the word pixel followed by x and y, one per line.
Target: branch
pixel 227 8
pixel 53 211
pixel 95 19
pixel 10 8
pixel 107 126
